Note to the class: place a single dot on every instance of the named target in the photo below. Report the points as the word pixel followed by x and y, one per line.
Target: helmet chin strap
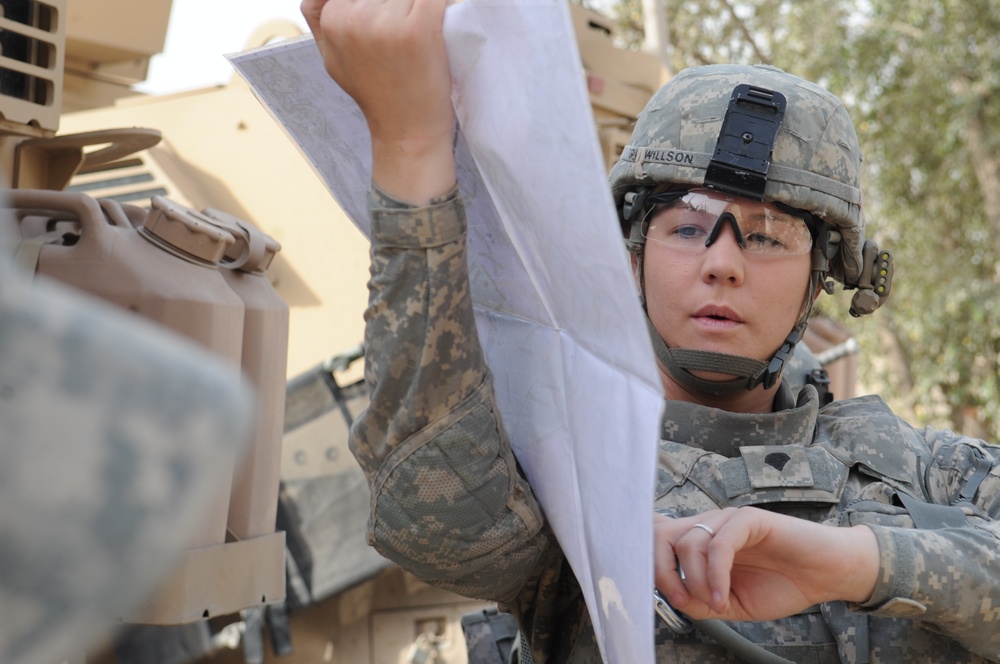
pixel 679 361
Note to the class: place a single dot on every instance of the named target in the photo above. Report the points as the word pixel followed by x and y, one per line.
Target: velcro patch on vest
pixel 778 473
pixel 771 466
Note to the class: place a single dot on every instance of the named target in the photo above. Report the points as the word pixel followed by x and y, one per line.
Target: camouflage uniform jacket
pixel 449 504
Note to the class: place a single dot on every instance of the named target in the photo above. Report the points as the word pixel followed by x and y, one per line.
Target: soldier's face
pixel 724 299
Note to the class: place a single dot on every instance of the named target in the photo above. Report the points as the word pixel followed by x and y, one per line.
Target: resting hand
pixel 390 57
pixel 760 565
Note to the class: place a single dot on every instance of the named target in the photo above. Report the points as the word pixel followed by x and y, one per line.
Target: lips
pixel 718 313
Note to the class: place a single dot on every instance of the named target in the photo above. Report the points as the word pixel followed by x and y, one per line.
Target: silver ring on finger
pixel 707 529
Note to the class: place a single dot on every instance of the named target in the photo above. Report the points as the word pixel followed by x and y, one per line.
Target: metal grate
pixel 134 181
pixel 32 50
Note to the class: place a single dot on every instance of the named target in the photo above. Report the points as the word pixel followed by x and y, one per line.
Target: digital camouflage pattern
pixel 816 162
pixel 449 504
pixel 116 434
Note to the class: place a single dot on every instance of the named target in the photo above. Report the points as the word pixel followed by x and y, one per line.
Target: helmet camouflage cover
pixel 815 164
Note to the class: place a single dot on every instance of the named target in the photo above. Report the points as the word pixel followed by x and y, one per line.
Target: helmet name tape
pixel 743 150
pixel 641 156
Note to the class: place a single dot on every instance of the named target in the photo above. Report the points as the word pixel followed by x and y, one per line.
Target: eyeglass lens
pixel 695 220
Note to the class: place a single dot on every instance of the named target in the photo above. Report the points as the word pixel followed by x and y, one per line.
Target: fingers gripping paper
pixel 561 328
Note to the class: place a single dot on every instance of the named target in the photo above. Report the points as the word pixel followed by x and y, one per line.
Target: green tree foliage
pixel 926 78
pixel 922 81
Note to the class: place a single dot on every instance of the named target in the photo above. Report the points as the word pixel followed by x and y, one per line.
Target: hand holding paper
pixel 390 58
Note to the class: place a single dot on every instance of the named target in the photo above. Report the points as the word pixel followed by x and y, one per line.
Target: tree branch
pixel 746 33
pixel 986 166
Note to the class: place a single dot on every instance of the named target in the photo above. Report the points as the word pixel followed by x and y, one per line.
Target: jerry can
pixel 161 263
pixel 254 502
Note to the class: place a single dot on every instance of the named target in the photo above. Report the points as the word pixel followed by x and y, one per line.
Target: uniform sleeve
pixel 448 502
pixel 949 578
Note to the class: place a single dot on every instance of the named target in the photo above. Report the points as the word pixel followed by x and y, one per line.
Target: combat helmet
pixel 758 132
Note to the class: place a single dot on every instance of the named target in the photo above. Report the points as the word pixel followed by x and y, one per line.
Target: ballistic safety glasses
pixel 692 220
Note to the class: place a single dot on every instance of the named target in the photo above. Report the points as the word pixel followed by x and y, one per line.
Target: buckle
pixel 677 622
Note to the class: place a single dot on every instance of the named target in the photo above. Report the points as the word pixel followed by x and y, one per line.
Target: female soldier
pixel 823 535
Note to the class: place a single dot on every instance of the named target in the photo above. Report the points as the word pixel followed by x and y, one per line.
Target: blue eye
pixel 689 232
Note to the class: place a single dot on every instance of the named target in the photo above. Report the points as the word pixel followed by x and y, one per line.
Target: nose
pixel 723 260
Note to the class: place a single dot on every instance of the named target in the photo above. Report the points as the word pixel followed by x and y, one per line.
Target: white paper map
pixel 555 303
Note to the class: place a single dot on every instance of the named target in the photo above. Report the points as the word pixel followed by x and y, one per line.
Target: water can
pixel 163 266
pixel 254 501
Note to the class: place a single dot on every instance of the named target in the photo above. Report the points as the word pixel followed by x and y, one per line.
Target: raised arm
pixel 448 502
pixel 390 58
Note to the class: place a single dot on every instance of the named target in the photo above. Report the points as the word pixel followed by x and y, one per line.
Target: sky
pixel 201 32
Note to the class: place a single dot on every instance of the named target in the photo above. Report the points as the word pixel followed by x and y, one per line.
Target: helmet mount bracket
pixel 742 155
